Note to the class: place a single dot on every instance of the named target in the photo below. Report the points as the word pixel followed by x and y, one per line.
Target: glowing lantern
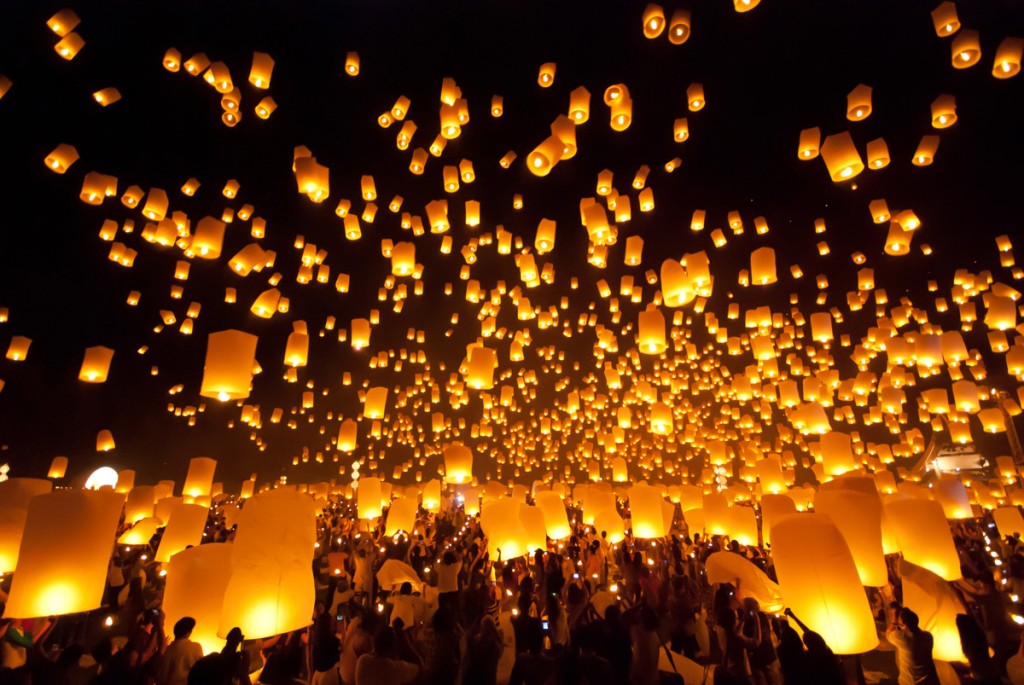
pixel 945 20
pixel 140 533
pixel 1008 521
pixel 352 63
pixel 677 288
pixel 199 478
pixel 858 516
pixel 654 21
pixel 651 331
pixel 925 152
pixel 546 75
pixel 858 103
pixel 368 498
pixel 810 141
pixel 347 434
pixel 482 363
pixel 62 157
pixel 841 157
pixel 96 364
pixel 139 503
pixel 208 238
pixel 105 442
pixel 545 238
pixel 1001 314
pixel 762 266
pixel 458 463
pixel 878 154
pixel 266 107
pixel 15 495
pixel 819 582
pixel 58 467
pixel 296 350
pixel 17 350
pixel 63 21
pixel 773 508
pixel 949 492
pixel 271 590
pixel 69 46
pixel 401 516
pixel 106 96
pixel 923 536
pixel 679 27
pixel 1006 65
pixel 579 105
pixel 937 605
pixel 230 359
pixel 695 97
pixel 184 529
pixel 262 68
pixel 837 453
pixel 80 523
pixel 821 326
pixel 196 581
pixel 543 158
pixel 726 567
pixel 551 506
pixel 645 511
pixel 943 111
pixel 745 5
pixel 966 49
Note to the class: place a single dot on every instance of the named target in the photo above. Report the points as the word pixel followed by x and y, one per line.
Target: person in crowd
pixel 179 656
pixel 913 650
pixel 381 666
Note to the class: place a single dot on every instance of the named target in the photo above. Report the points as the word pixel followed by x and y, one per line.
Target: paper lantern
pixel 5 85
pixel 841 157
pixel 63 21
pixel 762 266
pixel 458 463
pixel 950 492
pixel 716 513
pixel 726 567
pixel 506 535
pixel 230 359
pixel 401 516
pixel 654 21
pixel 81 524
pixel 579 105
pixel 943 111
pixel 651 331
pixel 923 536
pixel 743 525
pixel 546 75
pixel 156 205
pixel 106 96
pixel 15 495
pixel 773 508
pixel 945 20
pixel 140 533
pixel 247 489
pixel 481 365
pixel 1008 521
pixel 271 590
pixel 184 529
pixel 552 508
pixel 199 478
pixel 695 97
pixel 96 364
pixel 858 516
pixel 610 522
pixel 368 498
pixel 679 27
pixel 837 453
pixel 296 350
pixel 810 141
pixel 69 46
pixel 61 159
pixel 1006 64
pixel 937 605
pixel 17 350
pixel 208 238
pixel 745 5
pixel 858 103
pixel 262 68
pixel 819 582
pixel 543 158
pixel 196 580
pixel 139 504
pixel 125 481
pixel 58 467
pixel 966 49
pixel 925 152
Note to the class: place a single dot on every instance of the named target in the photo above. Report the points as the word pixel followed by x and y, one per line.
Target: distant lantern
pixel 96 364
pixel 810 142
pixel 82 524
pixel 819 582
pixel 352 63
pixel 546 75
pixel 63 21
pixel 695 97
pixel 230 359
pixel 945 20
pixel 17 349
pixel 651 331
pixel 579 105
pixel 1006 64
pixel 680 130
pixel 376 402
pixel 943 111
pixel 654 21
pixel 858 103
pixel 360 334
pixel 69 46
pixel 481 365
pixel 296 351
pixel 104 441
pixel 458 463
pixel 61 159
pixel 966 49
pixel 194 65
pixel 677 288
pixel 265 107
pixel 172 60
pixel 58 467
pixel 106 96
pixel 262 68
pixel 679 27
pixel 745 5
pixel 878 154
pixel 841 157
pixel 926 149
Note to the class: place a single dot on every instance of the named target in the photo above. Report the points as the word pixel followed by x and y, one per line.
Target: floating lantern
pixel 196 581
pixel 645 510
pixel 966 49
pixel 62 157
pixel 96 364
pixel 695 97
pixel 551 506
pixel 230 359
pixel 199 478
pixel 819 582
pixel 923 536
pixel 810 141
pixel 546 75
pixel 945 20
pixel 1006 64
pixel 15 495
pixel 458 463
pixel 185 527
pixel 58 467
pixel 679 27
pixel 69 46
pixel 943 111
pixel 262 68
pixel 105 442
pixel 858 103
pixel 841 157
pixel 858 516
pixel 654 21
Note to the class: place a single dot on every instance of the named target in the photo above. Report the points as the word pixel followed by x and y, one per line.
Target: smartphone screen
pixel 544 625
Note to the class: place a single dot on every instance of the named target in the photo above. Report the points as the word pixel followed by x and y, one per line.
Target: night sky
pixel 767 74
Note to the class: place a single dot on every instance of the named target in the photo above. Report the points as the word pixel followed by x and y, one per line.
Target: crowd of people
pixel 584 611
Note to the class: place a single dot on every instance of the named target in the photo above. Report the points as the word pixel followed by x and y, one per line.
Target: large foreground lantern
pixel 15 495
pixel 937 605
pixel 858 516
pixel 819 582
pixel 79 523
pixel 645 511
pixel 184 529
pixel 271 590
pixel 368 498
pixel 922 533
pixel 556 522
pixel 726 567
pixel 774 508
pixel 197 579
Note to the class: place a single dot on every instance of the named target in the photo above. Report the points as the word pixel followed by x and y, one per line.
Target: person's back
pixel 913 650
pixel 380 668
pixel 179 656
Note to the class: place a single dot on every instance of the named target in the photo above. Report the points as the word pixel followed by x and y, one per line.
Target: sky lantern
pixel 923 536
pixel 651 331
pixel 695 97
pixel 62 157
pixel 481 365
pixel 17 349
pixel 841 157
pixel 858 103
pixel 196 580
pixel 104 441
pixel 96 364
pixel 63 21
pixel 773 508
pixel 552 507
pixel 15 495
pixel 69 46
pixel 1006 64
pixel 943 111
pixel 271 590
pixel 139 503
pixel 762 266
pixel 125 481
pixel 945 20
pixel 937 605
pixel 645 511
pixel 837 453
pixel 653 21
pixel 199 479
pixel 966 49
pixel 1008 521
pixel 745 5
pixel 458 463
pixel 230 359
pixel 58 467
pixel 858 516
pixel 184 528
pixel 140 533
pixel 950 492
pixel 546 75
pixel 82 524
pixel 368 498
pixel 262 68
pixel 809 144
pixel 819 582
pixel 679 27
pixel 296 351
